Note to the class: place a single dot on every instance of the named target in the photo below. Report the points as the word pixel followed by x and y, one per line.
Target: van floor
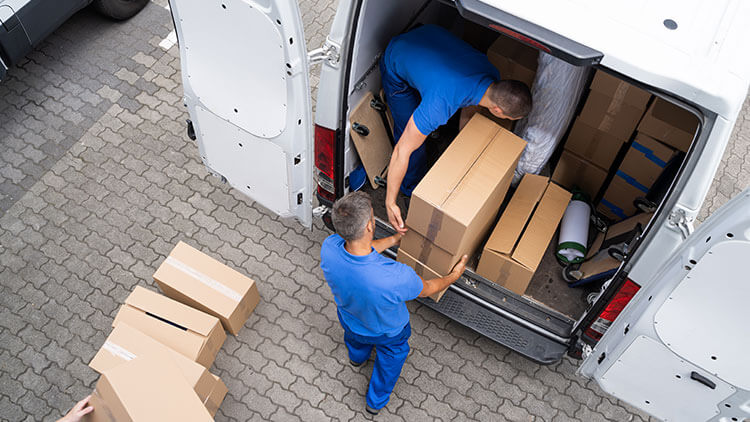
pixel 547 287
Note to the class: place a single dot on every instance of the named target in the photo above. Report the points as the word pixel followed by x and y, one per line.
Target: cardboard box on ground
pixel 145 389
pixel 642 165
pixel 197 280
pixel 453 207
pixel 521 236
pixel 125 343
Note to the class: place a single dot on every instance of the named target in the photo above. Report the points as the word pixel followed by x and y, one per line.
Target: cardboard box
pixel 515 248
pixel 573 171
pixel 597 147
pixel 125 343
pixel 642 165
pixel 611 115
pixel 513 59
pixel 456 202
pixel 429 254
pixel 422 270
pixel 145 389
pixel 195 279
pixel 669 124
pixel 615 88
pixel 193 333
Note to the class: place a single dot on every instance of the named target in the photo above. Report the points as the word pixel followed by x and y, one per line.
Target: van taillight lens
pixel 324 150
pixel 600 325
pixel 520 37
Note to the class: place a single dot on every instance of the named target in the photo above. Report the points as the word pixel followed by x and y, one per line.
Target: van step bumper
pixel 529 343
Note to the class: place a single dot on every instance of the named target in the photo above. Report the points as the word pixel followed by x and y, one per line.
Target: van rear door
pixel 679 349
pixel 247 89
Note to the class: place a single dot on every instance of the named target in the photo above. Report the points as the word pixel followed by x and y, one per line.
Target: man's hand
pixel 394 217
pixel 387 242
pixel 430 287
pixel 459 268
pixel 78 411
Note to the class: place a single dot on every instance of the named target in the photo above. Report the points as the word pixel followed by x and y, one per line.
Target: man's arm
pixel 410 140
pixel 466 114
pixel 382 244
pixel 438 284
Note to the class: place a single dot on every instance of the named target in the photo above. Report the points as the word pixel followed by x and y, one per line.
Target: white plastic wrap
pixel 557 89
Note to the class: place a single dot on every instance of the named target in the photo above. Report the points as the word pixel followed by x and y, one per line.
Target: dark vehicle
pixel 25 23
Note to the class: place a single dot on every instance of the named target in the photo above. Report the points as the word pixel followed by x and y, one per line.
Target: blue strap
pixel 649 154
pixel 631 181
pixel 614 208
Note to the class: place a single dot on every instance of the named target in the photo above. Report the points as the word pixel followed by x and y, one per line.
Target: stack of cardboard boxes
pixel 154 363
pixel 606 122
pixel 455 204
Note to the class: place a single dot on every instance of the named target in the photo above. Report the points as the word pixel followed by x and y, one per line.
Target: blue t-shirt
pixel 448 73
pixel 370 291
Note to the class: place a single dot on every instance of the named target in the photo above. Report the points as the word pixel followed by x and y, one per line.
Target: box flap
pixel 153 389
pixel 440 182
pixel 542 226
pixel 171 310
pixel 204 279
pixel 478 184
pixel 517 213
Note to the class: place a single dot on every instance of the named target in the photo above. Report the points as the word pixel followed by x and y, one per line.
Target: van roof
pixel 704 60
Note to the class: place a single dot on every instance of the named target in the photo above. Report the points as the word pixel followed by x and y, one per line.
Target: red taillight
pixel 325 194
pixel 600 325
pixel 520 37
pixel 325 140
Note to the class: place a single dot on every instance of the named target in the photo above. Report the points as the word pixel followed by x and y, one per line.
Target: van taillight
pixel 596 330
pixel 520 37
pixel 325 145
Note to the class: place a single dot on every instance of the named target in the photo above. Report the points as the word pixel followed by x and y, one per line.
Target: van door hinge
pixel 679 220
pixel 328 52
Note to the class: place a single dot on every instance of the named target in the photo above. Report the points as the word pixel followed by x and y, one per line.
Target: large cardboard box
pixel 145 389
pixel 429 254
pixel 191 277
pixel 455 204
pixel 597 147
pixel 513 59
pixel 517 244
pixel 669 124
pixel 193 333
pixel 642 165
pixel 422 270
pixel 125 343
pixel 573 171
pixel 620 90
pixel 610 115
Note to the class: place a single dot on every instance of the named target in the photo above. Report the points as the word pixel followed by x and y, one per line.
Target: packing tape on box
pixel 102 407
pixel 614 208
pixel 419 268
pixel 503 272
pixel 632 182
pixel 203 278
pixel 614 108
pixel 436 220
pixel 649 154
pixel 118 351
pixel 425 253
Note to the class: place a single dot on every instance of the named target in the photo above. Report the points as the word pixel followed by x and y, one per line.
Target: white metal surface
pixel 704 317
pixel 651 377
pixel 701 321
pixel 702 60
pixel 246 82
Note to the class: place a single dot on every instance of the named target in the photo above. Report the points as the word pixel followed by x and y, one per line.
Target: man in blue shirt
pixel 371 291
pixel 428 74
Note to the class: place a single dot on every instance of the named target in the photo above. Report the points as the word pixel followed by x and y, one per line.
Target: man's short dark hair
pixel 350 215
pixel 513 97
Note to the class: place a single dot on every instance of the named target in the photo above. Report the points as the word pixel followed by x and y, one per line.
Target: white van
pixel 679 348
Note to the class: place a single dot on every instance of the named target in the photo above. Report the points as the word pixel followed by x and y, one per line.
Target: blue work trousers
pixel 402 101
pixel 390 355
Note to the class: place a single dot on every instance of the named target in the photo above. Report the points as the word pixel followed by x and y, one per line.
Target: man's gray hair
pixel 350 215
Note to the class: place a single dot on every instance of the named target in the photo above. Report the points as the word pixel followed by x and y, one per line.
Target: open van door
pixel 246 81
pixel 681 348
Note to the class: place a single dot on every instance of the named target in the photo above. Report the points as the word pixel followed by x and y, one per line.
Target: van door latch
pixel 678 219
pixel 328 52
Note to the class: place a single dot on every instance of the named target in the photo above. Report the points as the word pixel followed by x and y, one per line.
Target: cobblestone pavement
pixel 98 182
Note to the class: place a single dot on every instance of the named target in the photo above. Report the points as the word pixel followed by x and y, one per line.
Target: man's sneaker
pixel 355 364
pixel 371 411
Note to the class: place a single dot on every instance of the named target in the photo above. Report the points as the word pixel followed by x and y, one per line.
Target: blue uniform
pixel 430 73
pixel 370 293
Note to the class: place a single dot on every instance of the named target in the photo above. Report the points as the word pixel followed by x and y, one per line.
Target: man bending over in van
pixel 428 74
pixel 371 291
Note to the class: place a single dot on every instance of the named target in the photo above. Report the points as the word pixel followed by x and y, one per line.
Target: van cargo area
pixel 622 147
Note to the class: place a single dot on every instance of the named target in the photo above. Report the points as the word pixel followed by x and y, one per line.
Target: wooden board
pixel 374 149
